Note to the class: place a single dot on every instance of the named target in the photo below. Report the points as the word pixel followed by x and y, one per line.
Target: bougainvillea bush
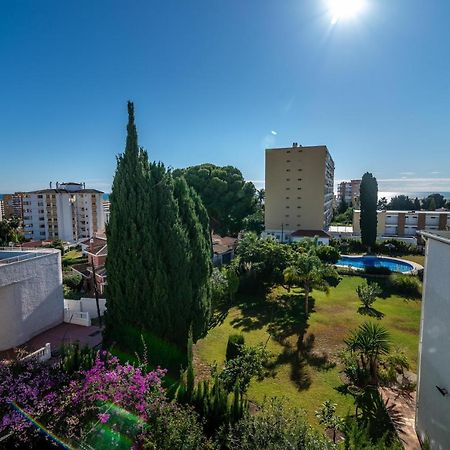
pixel 109 404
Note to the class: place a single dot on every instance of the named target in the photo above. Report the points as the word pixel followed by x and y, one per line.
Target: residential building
pixel 2 210
pixel 31 294
pixel 405 223
pixel 68 212
pixel 13 205
pixel 299 191
pixel 223 249
pixel 96 250
pixel 106 206
pixel 349 192
pixel 433 383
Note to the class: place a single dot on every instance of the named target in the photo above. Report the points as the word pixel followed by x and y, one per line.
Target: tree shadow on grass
pixel 371 312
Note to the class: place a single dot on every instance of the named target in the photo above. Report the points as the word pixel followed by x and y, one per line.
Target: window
pixel 298 188
pixel 287 207
pixel 288 189
pixel 53 196
pixel 298 207
pixel 299 198
pixel 42 225
pixel 40 196
pixel 299 179
pixel 287 198
pixel 288 160
pixel 42 233
pixel 41 218
pixel 40 203
pixel 288 179
pixel 288 170
pixel 286 215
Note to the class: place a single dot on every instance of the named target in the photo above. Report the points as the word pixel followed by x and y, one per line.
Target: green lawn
pixel 309 377
pixel 73 257
pixel 419 259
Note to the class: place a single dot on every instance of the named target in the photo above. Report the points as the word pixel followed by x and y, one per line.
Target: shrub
pixel 368 293
pixel 377 271
pixel 406 285
pixel 327 254
pixel 72 280
pixel 234 345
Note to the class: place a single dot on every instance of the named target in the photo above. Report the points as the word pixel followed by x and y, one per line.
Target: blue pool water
pixel 361 262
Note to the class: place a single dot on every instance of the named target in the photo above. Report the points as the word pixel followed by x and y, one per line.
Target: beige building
pixel 405 223
pixel 299 191
pixel 349 192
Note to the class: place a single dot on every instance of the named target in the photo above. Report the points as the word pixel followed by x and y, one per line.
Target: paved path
pixel 405 407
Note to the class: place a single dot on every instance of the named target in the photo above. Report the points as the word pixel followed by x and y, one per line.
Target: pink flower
pixel 103 417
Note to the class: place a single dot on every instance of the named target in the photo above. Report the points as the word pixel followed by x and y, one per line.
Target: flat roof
pixel 442 236
pixel 397 211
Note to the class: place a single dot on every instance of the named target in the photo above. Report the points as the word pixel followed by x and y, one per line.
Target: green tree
pixel 326 415
pixel 369 343
pixel 228 198
pixel 368 217
pixel 368 293
pixel 382 203
pixel 417 205
pixel 254 222
pixel 309 272
pixel 159 253
pixel 401 203
pixel 261 196
pixel 433 201
pixel 432 204
pixel 9 231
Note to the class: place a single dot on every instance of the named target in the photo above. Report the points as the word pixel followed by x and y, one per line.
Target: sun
pixel 344 9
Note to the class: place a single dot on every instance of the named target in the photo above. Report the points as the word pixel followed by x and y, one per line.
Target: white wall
pixel 31 297
pixel 433 409
pixel 86 305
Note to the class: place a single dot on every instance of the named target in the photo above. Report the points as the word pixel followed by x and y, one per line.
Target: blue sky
pixel 217 81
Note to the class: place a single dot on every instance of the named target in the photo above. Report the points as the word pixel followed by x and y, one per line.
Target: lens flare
pixel 344 9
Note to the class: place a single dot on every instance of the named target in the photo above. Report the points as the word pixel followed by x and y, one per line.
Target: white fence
pixel 41 355
pixel 77 317
pixel 79 308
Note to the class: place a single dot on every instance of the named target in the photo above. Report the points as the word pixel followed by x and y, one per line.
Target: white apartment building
pixel 405 223
pixel 106 206
pixel 2 210
pixel 68 212
pixel 433 383
pixel 299 184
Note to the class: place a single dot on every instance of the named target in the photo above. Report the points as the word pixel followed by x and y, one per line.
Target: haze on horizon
pixel 220 82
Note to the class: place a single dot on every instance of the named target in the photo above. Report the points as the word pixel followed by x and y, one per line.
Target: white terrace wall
pixel 86 305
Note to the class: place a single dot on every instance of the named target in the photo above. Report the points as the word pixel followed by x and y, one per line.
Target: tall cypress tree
pixel 159 253
pixel 368 218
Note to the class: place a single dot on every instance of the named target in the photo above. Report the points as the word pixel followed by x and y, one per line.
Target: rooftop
pixel 397 211
pixel 310 233
pixel 443 236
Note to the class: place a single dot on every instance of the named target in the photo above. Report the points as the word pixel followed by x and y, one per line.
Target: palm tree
pixel 261 195
pixel 369 342
pixel 308 272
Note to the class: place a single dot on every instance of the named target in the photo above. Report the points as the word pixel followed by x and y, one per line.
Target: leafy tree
pixel 246 365
pixel 276 427
pixel 433 201
pixel 343 206
pixel 159 253
pixel 328 254
pixel 368 293
pixel 368 217
pixel 309 272
pixel 326 415
pixel 401 203
pixel 417 205
pixel 382 203
pixel 369 343
pixel 9 231
pixel 345 217
pixel 234 345
pixel 254 222
pixel 228 198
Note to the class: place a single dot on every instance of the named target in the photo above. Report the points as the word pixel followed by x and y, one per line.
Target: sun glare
pixel 344 9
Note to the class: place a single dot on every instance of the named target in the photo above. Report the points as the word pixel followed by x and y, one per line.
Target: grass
pixel 309 374
pixel 419 259
pixel 73 257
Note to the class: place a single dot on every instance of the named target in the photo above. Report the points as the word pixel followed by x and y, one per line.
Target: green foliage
pixel 58 244
pixel 234 345
pixel 392 366
pixel 344 218
pixel 73 357
pixel 328 254
pixel 401 203
pixel 377 270
pixel 254 222
pixel 433 201
pixel 406 285
pixel 357 437
pixel 9 231
pixel 368 343
pixel 276 427
pixel 368 217
pixel 368 293
pixel 159 253
pixel 228 198
pixel 326 415
pixel 72 280
pixel 249 363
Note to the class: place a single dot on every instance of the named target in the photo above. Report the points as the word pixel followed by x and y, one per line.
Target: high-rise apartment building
pixel 69 212
pixel 299 191
pixel 349 192
pixel 13 205
pixel 2 210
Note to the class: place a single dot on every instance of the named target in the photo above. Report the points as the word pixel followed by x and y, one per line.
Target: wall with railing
pixel 41 355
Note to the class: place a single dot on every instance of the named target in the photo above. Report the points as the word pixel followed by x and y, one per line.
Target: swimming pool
pixel 361 262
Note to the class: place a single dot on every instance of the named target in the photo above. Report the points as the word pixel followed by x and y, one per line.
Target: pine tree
pixel 159 254
pixel 368 217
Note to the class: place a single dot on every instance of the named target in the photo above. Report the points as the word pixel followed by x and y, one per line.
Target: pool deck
pixel 415 267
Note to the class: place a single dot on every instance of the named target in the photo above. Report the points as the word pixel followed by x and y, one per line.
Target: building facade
pixel 31 294
pixel 68 212
pixel 349 192
pixel 433 383
pixel 405 223
pixel 13 205
pixel 299 190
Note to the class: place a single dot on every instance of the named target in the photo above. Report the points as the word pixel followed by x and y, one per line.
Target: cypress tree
pixel 368 218
pixel 159 254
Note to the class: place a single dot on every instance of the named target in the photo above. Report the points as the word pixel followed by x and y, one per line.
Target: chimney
pixel 50 184
pixel 57 185
pixel 294 144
